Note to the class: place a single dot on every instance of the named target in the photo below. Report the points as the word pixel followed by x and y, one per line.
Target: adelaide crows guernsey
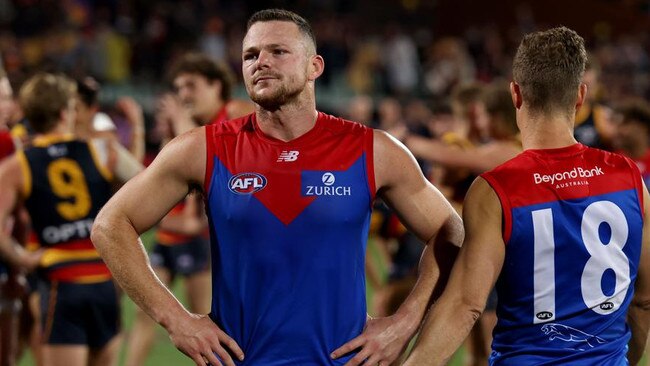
pixel 289 223
pixel 572 224
pixel 65 187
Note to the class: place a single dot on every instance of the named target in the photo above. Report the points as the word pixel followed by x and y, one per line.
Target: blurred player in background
pixel 63 182
pixel 560 229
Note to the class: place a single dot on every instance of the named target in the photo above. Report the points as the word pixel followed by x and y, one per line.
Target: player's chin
pixel 264 95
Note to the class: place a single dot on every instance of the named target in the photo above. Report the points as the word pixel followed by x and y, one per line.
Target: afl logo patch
pixel 247 183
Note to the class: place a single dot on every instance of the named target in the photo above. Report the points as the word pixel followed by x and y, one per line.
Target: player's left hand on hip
pixel 383 340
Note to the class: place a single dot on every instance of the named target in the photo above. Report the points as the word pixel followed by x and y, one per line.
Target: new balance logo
pixel 288 156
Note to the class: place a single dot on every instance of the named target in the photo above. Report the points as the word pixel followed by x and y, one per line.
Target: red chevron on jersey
pixel 272 170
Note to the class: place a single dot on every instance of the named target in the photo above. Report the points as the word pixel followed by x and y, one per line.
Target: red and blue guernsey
pixel 289 224
pixel 573 221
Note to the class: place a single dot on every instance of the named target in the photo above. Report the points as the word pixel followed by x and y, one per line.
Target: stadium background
pixel 415 50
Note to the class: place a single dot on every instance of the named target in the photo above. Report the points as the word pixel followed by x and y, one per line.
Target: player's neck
pixel 546 132
pixel 62 128
pixel 287 122
pixel 83 130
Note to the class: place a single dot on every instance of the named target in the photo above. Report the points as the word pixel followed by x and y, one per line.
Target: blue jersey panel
pixel 567 280
pixel 291 294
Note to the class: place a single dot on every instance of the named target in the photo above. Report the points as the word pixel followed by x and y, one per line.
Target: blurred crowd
pixel 128 46
pixel 120 41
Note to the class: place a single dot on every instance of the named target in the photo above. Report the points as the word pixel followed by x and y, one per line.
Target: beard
pixel 277 97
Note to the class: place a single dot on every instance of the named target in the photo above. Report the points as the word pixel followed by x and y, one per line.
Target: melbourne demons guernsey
pixel 572 224
pixel 65 187
pixel 288 224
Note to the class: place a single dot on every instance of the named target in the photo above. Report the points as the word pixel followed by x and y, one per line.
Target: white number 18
pixel 603 256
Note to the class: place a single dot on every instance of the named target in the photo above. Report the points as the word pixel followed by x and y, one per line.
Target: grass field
pixel 164 353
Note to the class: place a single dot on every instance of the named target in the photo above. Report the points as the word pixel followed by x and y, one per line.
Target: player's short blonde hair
pixel 43 97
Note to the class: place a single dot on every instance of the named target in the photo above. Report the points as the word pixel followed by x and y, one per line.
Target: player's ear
pixel 582 95
pixel 515 93
pixel 316 67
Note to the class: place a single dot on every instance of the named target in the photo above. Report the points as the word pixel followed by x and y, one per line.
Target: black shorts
pixel 183 259
pixel 85 314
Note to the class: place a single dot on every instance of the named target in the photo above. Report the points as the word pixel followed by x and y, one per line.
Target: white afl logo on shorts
pixel 328 179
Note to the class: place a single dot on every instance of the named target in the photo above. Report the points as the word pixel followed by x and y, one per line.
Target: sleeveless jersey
pixel 289 224
pixel 65 187
pixel 572 224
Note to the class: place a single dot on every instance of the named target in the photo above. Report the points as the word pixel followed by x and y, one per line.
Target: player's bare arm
pixel 139 205
pixel 135 118
pixel 423 210
pixel 474 274
pixel 638 314
pixel 478 159
pixel 12 181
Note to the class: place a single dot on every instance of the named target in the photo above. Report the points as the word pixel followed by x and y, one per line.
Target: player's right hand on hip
pixel 203 341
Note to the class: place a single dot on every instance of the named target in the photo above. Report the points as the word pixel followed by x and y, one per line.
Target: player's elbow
pixel 472 306
pixel 100 233
pixel 475 312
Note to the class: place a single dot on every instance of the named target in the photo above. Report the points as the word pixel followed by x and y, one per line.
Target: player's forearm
pixel 445 247
pixel 13 253
pixel 137 143
pixel 434 269
pixel 412 310
pixel 119 246
pixel 638 317
pixel 443 332
pixel 423 148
